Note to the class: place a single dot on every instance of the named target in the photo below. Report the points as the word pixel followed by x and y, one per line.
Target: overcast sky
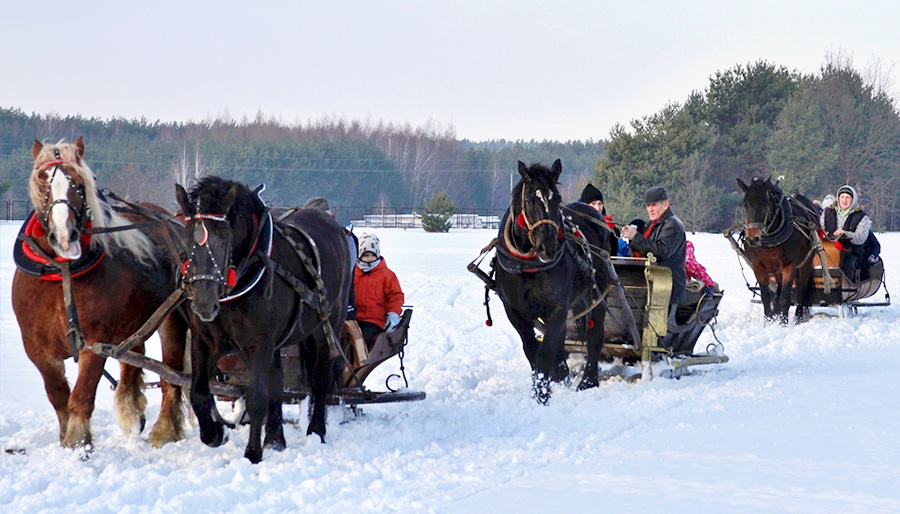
pixel 491 69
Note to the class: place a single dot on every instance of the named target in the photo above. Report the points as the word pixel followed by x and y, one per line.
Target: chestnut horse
pixel 778 236
pixel 118 280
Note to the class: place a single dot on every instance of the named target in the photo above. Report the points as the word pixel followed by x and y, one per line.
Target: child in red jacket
pixel 379 299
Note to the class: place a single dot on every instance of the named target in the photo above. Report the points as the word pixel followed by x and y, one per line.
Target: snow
pixel 802 419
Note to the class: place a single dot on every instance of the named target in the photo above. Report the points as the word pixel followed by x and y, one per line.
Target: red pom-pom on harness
pixel 488 322
pixel 520 220
pixel 590 324
pixel 184 268
pixel 231 279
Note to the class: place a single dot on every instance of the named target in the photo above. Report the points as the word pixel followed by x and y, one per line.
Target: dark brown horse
pixel 119 280
pixel 778 241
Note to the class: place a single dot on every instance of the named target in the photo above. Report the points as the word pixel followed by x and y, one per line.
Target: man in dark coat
pixel 664 238
pixel 593 197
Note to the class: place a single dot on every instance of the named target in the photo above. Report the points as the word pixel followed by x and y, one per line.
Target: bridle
pixel 523 221
pixel 82 213
pixel 777 224
pixel 221 275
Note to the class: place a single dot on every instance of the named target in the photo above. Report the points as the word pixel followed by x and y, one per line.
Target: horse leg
pixel 525 328
pixel 595 322
pixel 81 401
pixel 169 427
pixel 212 432
pixel 275 417
pixel 258 400
pixel 804 284
pixel 549 366
pixel 53 371
pixel 785 291
pixel 320 382
pixel 129 400
pixel 765 294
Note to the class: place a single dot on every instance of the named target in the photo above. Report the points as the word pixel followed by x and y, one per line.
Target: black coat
pixel 666 241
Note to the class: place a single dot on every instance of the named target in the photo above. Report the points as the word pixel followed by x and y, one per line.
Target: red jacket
pixel 377 293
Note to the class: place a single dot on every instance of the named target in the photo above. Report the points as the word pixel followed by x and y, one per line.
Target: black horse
pixel 544 271
pixel 258 284
pixel 778 236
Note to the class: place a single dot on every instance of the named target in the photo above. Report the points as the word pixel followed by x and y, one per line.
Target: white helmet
pixel 369 243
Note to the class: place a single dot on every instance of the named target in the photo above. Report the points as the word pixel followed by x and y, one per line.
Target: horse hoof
pixel 275 444
pixel 216 439
pixel 143 424
pixel 254 455
pixel 318 431
pixel 540 391
pixel 588 383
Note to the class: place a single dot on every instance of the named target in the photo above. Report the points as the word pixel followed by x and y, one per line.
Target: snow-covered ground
pixel 803 419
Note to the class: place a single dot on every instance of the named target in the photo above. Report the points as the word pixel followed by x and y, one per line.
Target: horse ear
pixel 36 148
pixel 741 185
pixel 229 199
pixel 182 197
pixel 556 170
pixel 523 170
pixel 79 146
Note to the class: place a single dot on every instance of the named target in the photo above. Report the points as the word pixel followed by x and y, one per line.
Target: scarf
pixel 368 266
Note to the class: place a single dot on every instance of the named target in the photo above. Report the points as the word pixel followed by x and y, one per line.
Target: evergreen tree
pixel 438 212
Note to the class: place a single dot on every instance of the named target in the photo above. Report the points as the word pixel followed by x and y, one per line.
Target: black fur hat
pixel 590 194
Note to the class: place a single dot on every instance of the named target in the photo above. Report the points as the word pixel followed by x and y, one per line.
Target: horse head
pixel 218 216
pixel 59 187
pixel 762 206
pixel 535 205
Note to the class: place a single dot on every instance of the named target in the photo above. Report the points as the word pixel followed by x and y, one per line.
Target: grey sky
pixel 491 70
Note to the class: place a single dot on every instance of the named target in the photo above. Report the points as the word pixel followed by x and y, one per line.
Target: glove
pixel 710 291
pixel 393 319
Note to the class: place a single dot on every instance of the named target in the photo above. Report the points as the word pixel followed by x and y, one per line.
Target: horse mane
pixel 103 215
pixel 214 189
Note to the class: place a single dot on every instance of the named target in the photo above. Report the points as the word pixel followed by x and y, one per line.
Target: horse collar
pixel 263 241
pixel 30 262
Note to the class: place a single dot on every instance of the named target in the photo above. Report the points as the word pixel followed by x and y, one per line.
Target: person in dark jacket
pixel 847 223
pixel 593 197
pixel 664 238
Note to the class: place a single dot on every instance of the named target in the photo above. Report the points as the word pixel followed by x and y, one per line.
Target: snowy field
pixel 803 419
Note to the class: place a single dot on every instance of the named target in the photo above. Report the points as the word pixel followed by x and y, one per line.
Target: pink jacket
pixel 694 269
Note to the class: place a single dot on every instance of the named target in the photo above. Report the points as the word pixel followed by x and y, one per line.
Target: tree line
pixel 353 164
pixel 839 125
pixel 820 131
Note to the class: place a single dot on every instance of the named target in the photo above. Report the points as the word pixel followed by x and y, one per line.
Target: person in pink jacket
pixel 695 270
